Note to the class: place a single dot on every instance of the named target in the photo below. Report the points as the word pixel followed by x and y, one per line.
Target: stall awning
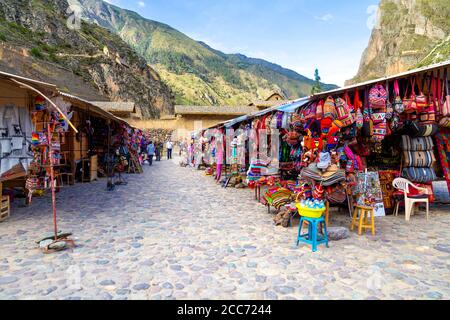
pixel 87 105
pixel 433 67
pixel 288 107
pixel 292 107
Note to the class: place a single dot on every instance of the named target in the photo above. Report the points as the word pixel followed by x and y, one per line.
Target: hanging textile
pixel 16 133
pixel 443 145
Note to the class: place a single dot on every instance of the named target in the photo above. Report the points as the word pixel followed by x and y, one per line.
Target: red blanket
pixel 443 145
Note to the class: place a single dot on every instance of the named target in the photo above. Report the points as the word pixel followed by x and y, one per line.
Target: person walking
pixel 150 152
pixel 161 149
pixel 169 146
pixel 219 160
pixel 158 151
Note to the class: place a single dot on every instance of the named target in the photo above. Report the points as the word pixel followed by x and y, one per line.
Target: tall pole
pixel 52 178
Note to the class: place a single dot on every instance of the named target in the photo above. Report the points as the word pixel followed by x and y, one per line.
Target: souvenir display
pixel 347 148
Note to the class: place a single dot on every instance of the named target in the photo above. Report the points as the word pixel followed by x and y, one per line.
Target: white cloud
pixel 326 17
pixel 141 4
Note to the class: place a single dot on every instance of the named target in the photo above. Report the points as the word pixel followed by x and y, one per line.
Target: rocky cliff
pixel 409 34
pixel 88 61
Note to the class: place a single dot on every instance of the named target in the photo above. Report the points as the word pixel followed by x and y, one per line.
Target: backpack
pixel 344 113
pixel 319 110
pixel 329 109
pixel 377 97
pixel 380 114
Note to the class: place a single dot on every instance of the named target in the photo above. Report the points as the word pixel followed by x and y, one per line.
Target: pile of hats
pixel 330 176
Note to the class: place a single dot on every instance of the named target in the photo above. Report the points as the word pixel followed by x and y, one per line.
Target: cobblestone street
pixel 172 233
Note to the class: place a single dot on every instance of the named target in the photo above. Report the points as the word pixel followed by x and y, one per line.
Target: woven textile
pixel 418 158
pixel 417 144
pixel 416 174
pixel 443 145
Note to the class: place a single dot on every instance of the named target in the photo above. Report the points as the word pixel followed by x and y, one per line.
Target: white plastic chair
pixel 404 185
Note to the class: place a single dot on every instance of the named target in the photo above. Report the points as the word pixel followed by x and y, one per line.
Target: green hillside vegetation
pixel 40 26
pixel 197 73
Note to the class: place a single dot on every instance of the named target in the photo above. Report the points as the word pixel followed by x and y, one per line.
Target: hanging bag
pixel 439 95
pixel 398 103
pixel 329 109
pixel 389 107
pixel 378 97
pixel 367 129
pixel 319 110
pixel 358 105
pixel 445 103
pixel 446 99
pixel 428 113
pixel 344 111
pixel 421 99
pixel 409 103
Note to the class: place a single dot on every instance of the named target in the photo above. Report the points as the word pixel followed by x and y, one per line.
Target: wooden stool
pixel 365 213
pixel 4 208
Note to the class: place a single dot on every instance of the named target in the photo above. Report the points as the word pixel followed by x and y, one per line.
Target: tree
pixel 317 87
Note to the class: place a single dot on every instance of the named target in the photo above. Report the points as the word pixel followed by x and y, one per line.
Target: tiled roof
pixel 218 110
pixel 115 106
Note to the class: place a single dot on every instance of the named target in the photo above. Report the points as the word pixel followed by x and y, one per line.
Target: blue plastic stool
pixel 312 237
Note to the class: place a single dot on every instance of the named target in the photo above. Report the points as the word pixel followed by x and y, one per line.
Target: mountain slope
pixel 196 73
pixel 90 62
pixel 411 33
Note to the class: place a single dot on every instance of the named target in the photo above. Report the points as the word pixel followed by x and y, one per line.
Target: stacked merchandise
pixel 278 197
pixel 418 159
pixel 255 171
pixel 332 175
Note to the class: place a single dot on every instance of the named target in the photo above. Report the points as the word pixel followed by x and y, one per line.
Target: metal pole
pixel 52 178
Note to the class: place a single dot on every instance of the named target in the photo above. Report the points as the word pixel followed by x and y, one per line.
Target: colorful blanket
pixel 443 145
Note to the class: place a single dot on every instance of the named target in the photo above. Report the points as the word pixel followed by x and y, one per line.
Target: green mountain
pixel 88 61
pixel 196 73
pixel 409 34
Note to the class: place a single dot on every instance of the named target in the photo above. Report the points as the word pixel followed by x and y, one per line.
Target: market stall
pixel 345 147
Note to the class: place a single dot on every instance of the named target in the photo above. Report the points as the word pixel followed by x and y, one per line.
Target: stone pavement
pixel 172 233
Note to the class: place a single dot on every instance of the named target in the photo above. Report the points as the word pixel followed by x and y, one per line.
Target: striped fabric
pixel 421 175
pixel 419 158
pixel 417 144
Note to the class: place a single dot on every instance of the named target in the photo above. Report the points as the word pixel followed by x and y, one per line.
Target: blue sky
pixel 298 34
